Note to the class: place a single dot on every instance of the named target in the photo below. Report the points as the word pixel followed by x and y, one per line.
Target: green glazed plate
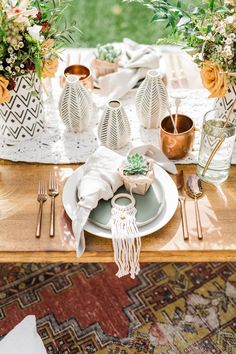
pixel 148 206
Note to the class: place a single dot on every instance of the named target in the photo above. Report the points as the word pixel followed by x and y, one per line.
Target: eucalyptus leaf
pixel 183 21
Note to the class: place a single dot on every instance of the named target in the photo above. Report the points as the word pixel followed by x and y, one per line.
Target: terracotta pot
pixel 139 184
pixel 102 67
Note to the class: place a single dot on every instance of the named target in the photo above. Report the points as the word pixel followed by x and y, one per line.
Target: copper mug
pixel 177 145
pixel 82 71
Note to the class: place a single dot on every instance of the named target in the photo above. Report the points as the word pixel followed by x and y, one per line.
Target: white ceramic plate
pixel 69 199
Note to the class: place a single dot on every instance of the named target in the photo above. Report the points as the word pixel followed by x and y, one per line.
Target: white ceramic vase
pixel 225 103
pixel 114 128
pixel 152 100
pixel 22 118
pixel 75 105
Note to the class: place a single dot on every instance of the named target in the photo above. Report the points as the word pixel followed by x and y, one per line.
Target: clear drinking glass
pixel 215 134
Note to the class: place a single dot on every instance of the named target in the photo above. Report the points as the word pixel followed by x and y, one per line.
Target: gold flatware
pixel 182 199
pixel 42 197
pixel 194 190
pixel 53 191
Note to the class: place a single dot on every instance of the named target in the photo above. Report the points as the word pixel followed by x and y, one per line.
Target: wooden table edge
pixel 107 257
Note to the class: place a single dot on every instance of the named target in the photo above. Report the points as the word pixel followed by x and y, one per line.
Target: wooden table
pixel 18 211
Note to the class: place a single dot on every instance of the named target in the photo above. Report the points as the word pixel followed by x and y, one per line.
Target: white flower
pixel 228 51
pixel 19 11
pixel 228 41
pixel 34 32
pixel 232 36
pixel 230 19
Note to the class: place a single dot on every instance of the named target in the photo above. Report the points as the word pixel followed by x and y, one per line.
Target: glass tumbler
pixel 217 143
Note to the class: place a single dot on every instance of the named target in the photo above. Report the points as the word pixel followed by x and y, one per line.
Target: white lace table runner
pixel 57 146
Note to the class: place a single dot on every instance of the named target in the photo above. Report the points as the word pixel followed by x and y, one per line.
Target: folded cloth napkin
pixel 100 180
pixel 141 59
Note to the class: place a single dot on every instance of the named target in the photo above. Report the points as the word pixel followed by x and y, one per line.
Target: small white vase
pixel 114 128
pixel 75 105
pixel 22 118
pixel 151 100
pixel 225 103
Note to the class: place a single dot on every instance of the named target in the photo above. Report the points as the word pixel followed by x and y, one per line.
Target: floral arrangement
pixel 107 52
pixel 30 40
pixel 208 32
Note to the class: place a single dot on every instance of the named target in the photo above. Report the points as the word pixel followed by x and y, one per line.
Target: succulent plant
pixel 136 165
pixel 107 52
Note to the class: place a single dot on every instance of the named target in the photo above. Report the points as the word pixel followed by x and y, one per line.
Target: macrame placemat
pixel 57 146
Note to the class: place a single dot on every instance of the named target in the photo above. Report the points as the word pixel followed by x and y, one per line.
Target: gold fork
pixel 42 197
pixel 53 191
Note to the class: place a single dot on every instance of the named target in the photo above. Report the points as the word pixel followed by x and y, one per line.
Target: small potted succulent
pixel 137 174
pixel 106 61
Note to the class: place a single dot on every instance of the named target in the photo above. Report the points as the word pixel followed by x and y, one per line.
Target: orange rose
pixel 50 67
pixel 214 79
pixel 4 92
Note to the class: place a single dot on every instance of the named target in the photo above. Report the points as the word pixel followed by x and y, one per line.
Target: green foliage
pixel 207 27
pixel 107 52
pixel 136 165
pixel 54 12
pixel 179 15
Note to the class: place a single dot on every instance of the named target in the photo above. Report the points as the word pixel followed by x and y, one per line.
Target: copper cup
pixel 82 71
pixel 177 145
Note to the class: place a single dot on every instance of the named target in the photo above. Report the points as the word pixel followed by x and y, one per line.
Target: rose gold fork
pixel 53 191
pixel 42 197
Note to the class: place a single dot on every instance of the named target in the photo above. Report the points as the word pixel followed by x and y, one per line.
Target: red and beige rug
pixel 84 308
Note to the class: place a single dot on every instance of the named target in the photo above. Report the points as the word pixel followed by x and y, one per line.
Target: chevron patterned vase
pixel 75 105
pixel 225 104
pixel 151 100
pixel 23 118
pixel 114 128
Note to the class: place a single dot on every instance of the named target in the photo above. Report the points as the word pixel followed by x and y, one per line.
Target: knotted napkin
pixel 139 59
pixel 100 180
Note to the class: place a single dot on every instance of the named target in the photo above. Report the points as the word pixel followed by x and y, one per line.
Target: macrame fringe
pixel 126 241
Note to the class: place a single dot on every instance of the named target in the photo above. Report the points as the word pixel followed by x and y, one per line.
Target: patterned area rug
pixel 84 308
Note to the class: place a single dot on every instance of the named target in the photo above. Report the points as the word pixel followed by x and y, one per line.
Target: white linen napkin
pixel 141 59
pixel 100 180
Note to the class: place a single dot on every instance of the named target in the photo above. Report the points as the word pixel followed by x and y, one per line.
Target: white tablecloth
pixel 57 146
